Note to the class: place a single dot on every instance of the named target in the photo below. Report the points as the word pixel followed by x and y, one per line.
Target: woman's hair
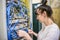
pixel 46 8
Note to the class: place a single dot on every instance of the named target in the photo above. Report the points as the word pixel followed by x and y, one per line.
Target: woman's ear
pixel 38 11
pixel 44 14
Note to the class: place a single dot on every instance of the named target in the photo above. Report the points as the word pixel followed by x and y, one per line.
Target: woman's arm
pixel 32 33
pixel 35 34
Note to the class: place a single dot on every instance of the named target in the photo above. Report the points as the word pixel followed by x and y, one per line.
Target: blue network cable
pixel 9 15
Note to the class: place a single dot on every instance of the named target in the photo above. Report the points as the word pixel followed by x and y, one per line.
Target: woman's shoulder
pixel 54 27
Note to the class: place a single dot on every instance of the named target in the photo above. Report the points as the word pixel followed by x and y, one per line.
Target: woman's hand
pixel 21 33
pixel 24 34
pixel 30 31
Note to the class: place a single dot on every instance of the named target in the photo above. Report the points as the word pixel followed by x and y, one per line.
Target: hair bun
pixel 43 2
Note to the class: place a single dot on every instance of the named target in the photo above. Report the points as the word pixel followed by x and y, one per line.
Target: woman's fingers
pixel 30 31
pixel 21 33
pixel 24 34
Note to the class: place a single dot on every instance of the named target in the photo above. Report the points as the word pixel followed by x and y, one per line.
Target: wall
pixel 36 1
pixel 56 16
pixel 3 33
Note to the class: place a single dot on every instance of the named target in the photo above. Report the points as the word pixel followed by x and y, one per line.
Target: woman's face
pixel 40 16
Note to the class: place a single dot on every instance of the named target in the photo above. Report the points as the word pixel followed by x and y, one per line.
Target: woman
pixel 51 30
